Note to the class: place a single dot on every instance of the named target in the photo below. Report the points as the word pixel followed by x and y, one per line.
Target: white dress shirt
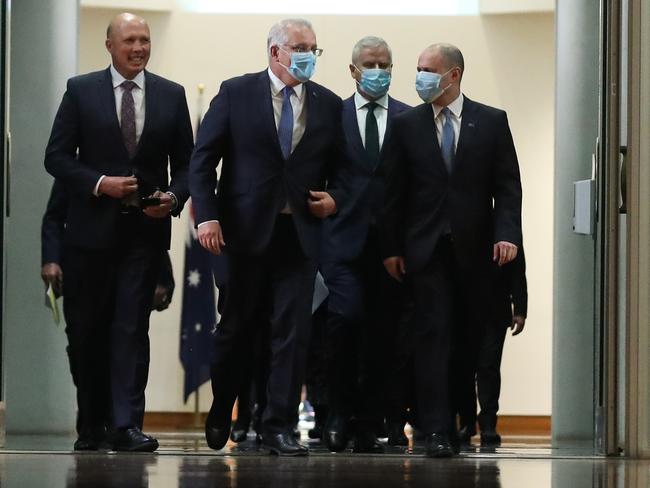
pixel 456 109
pixel 138 101
pixel 297 104
pixel 381 114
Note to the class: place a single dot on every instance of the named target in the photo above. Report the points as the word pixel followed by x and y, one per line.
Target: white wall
pixel 509 64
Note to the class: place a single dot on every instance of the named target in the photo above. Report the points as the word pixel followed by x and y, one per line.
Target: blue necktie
pixel 447 140
pixel 285 127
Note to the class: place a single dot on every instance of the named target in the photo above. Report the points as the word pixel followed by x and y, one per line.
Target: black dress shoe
pixel 216 435
pixel 465 435
pixel 336 434
pixel 240 430
pixel 490 438
pixel 316 432
pixel 396 435
pixel 86 444
pixel 367 443
pixel 283 445
pixel 92 439
pixel 438 446
pixel 238 435
pixel 133 439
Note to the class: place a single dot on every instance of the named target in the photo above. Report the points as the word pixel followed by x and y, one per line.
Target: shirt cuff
pixel 174 200
pixel 99 181
pixel 206 222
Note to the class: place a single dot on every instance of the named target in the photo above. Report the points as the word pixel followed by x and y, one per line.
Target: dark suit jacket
pixel 344 233
pixel 480 200
pixel 256 181
pixel 86 143
pixel 54 228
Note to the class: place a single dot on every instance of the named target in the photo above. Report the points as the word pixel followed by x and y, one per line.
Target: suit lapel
pixel 106 94
pixel 351 127
pixel 268 117
pixel 427 125
pixel 392 112
pixel 468 126
pixel 150 107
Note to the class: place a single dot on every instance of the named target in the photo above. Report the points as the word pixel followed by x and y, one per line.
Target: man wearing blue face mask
pixel 279 137
pixel 365 303
pixel 452 215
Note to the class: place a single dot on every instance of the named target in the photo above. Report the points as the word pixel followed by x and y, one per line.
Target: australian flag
pixel 199 315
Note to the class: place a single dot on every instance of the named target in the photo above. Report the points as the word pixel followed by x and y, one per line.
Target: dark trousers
pixel 477 348
pixel 284 278
pixel 434 290
pixel 483 374
pixel 107 302
pixel 364 310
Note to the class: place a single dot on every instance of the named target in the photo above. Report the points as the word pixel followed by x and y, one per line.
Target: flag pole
pixel 199 111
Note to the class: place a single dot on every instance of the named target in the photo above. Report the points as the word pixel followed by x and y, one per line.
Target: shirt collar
pixel 456 107
pixel 360 101
pixel 118 78
pixel 277 85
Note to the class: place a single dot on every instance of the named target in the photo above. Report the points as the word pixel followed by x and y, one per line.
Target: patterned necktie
pixel 447 140
pixel 127 118
pixel 285 127
pixel 372 134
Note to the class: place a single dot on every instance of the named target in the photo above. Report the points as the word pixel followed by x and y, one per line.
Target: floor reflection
pixel 184 462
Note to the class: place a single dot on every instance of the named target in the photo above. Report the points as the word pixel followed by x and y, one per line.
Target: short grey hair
pixel 451 54
pixel 279 35
pixel 370 42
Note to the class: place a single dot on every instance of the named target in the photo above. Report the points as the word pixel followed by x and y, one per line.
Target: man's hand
pixel 161 298
pixel 395 267
pixel 518 322
pixel 162 210
pixel 211 237
pixel 321 204
pixel 118 186
pixel 504 252
pixel 52 273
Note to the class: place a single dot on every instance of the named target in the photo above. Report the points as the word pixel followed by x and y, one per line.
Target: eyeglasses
pixel 303 49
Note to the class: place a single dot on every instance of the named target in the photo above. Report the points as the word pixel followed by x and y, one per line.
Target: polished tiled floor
pixel 184 461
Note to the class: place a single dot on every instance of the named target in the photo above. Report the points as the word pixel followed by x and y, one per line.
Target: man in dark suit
pixel 453 212
pixel 52 252
pixel 482 359
pixel 52 231
pixel 115 136
pixel 279 136
pixel 364 302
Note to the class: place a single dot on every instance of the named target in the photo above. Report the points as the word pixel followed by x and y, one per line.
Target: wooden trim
pixel 520 425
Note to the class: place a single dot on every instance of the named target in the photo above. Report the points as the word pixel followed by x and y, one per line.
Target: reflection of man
pixel 114 138
pixel 365 302
pixel 453 210
pixel 278 135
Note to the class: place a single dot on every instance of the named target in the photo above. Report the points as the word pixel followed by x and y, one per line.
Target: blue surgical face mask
pixel 302 66
pixel 374 81
pixel 427 85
